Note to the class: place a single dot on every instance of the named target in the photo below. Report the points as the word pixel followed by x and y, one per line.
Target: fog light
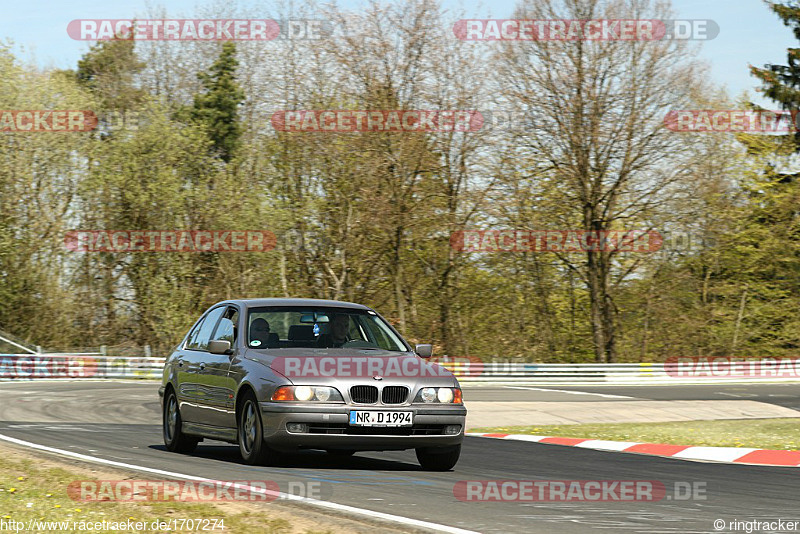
pixel 297 428
pixel 452 430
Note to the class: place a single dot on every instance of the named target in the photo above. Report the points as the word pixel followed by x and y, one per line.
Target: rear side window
pixel 201 335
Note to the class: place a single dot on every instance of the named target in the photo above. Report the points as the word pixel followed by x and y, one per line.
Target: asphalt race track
pixel 787 395
pixel 120 421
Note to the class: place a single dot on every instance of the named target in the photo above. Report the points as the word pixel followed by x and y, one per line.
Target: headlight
pixel 307 394
pixel 440 395
pixel 427 394
pixel 303 393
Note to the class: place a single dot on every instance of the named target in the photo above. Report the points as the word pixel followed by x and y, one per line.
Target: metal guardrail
pixel 99 366
pixel 625 373
pixel 77 365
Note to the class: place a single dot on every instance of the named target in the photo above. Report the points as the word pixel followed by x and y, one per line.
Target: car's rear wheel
pixel 439 459
pixel 251 434
pixel 174 438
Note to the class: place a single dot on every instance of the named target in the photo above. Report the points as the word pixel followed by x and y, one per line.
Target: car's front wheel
pixel 251 434
pixel 174 438
pixel 439 459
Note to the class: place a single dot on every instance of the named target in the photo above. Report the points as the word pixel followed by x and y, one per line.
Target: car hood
pixel 351 365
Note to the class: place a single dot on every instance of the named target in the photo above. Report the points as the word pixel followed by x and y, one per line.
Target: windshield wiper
pixel 362 348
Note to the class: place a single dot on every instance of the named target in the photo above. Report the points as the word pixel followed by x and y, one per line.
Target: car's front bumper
pixel 329 427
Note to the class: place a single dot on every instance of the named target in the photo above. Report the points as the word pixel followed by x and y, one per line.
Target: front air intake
pixel 394 394
pixel 364 394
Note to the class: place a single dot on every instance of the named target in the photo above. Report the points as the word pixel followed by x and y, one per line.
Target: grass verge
pixel 36 490
pixel 779 434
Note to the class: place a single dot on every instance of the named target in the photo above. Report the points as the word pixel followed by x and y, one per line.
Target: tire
pixel 442 459
pixel 250 434
pixel 342 453
pixel 172 427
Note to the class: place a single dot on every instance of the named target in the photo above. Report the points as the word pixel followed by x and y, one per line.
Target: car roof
pixel 257 303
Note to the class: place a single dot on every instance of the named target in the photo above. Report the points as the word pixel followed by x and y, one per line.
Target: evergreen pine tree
pixel 217 106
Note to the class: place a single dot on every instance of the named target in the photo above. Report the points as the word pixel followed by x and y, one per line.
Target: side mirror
pixel 219 347
pixel 424 351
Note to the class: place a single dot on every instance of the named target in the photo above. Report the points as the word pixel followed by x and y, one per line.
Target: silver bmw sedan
pixel 278 375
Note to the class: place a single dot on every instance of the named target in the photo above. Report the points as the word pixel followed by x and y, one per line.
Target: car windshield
pixel 332 328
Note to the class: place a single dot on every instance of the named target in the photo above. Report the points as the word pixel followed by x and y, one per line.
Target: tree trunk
pixel 596 298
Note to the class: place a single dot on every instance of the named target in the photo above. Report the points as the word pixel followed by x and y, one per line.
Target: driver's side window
pixel 374 334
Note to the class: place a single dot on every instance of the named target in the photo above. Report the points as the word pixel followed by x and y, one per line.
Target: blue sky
pixel 750 32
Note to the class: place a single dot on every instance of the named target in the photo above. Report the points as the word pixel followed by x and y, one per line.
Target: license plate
pixel 374 418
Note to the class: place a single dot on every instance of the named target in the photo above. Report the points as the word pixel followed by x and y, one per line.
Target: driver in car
pixel 339 327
